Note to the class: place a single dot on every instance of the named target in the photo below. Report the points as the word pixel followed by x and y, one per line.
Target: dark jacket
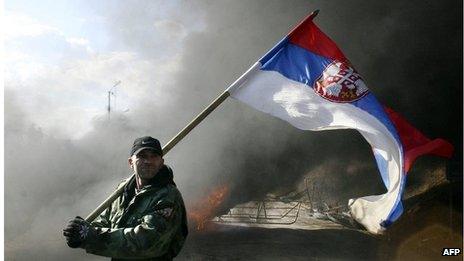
pixel 149 225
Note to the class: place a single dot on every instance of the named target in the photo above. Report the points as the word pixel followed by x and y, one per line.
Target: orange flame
pixel 206 208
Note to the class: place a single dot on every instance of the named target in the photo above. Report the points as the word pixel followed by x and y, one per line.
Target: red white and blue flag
pixel 307 81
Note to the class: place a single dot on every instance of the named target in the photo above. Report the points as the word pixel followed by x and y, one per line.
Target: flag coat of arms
pixel 307 81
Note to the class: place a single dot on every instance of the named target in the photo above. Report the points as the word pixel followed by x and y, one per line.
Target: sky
pixel 63 155
pixel 61 60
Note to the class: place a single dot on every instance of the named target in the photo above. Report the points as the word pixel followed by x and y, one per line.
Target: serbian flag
pixel 307 81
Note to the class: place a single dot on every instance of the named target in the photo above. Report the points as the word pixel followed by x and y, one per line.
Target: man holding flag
pixel 147 222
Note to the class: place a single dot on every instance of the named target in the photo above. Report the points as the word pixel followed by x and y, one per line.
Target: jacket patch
pixel 165 212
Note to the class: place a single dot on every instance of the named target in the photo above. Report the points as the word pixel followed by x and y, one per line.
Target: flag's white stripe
pixel 298 104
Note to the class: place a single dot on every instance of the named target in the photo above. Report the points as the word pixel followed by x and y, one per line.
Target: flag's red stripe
pixel 415 143
pixel 308 36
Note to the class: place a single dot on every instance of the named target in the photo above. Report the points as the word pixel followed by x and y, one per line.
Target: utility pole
pixel 110 92
pixel 109 104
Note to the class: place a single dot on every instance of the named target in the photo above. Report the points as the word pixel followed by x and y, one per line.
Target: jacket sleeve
pixel 103 220
pixel 150 238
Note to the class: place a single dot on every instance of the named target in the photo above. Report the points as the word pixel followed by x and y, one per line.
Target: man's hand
pixel 77 232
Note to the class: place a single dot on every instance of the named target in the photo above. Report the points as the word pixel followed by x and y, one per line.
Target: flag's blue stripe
pixel 295 63
pixel 397 210
pixel 274 50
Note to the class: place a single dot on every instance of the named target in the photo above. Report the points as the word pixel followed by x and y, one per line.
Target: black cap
pixel 146 142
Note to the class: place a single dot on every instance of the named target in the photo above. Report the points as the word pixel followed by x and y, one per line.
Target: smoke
pixel 178 57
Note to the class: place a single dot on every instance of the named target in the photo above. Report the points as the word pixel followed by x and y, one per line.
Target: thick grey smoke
pixel 408 52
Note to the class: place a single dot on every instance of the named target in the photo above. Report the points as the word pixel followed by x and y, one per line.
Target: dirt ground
pixel 430 223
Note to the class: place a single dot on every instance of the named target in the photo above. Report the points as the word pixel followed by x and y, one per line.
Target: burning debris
pixel 206 208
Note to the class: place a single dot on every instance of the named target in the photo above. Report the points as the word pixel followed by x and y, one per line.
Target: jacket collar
pixel 163 178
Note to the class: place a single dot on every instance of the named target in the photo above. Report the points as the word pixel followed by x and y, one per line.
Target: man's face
pixel 146 163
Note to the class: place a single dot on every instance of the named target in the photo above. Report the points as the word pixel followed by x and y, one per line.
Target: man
pixel 147 222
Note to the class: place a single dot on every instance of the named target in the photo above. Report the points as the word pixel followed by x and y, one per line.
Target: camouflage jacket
pixel 148 225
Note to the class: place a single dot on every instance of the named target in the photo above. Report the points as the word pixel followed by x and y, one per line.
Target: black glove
pixel 77 232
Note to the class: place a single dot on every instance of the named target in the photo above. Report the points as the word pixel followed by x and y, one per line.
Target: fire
pixel 205 209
